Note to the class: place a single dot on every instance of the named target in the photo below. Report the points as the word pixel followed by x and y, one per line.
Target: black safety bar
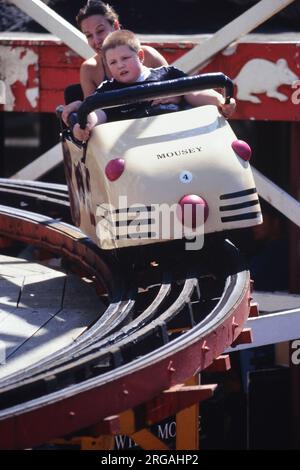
pixel 154 90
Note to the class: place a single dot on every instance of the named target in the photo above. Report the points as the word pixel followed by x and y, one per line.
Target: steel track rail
pixel 44 198
pixel 107 347
pixel 112 368
pixel 153 334
pixel 39 187
pixel 82 404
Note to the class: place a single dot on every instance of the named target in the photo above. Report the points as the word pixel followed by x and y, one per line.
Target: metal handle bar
pixel 154 90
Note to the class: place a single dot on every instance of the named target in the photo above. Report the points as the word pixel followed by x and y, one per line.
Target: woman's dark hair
pixel 97 7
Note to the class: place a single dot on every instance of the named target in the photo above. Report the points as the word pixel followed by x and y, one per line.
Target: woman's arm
pixel 153 58
pixel 90 76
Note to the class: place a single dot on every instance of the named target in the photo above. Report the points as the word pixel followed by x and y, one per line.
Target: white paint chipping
pixel 32 94
pixel 14 66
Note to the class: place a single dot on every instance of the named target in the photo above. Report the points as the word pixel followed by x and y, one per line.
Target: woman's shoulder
pixel 91 63
pixel 153 58
pixel 91 74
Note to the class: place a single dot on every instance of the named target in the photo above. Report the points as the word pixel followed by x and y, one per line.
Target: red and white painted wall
pixel 266 73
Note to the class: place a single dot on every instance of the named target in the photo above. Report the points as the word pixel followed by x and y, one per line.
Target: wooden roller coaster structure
pixel 138 357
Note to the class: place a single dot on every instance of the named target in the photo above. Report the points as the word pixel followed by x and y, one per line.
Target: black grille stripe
pixel 123 223
pixel 241 205
pixel 136 235
pixel 238 194
pixel 247 215
pixel 128 210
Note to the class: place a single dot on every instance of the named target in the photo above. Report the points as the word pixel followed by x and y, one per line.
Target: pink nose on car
pixel 191 215
pixel 115 168
pixel 242 149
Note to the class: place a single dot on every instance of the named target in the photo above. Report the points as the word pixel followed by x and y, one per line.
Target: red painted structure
pixel 57 66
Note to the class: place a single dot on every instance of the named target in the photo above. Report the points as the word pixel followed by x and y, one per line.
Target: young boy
pixel 124 56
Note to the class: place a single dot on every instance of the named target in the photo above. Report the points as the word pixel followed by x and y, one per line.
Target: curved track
pixel 169 330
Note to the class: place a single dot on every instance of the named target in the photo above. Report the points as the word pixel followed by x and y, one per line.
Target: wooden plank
pixel 40 326
pixel 240 26
pixel 56 25
pixel 271 329
pixel 11 267
pixel 275 301
pixel 42 291
pixel 9 292
pixel 41 165
pixel 59 331
pixel 277 197
pixel 24 290
pixel 21 324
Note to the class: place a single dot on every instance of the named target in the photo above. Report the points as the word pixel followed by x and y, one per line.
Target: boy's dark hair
pixel 97 7
pixel 121 37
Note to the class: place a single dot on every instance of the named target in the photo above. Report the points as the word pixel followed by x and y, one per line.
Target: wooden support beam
pixel 54 23
pixel 272 328
pixel 254 309
pixel 277 197
pixel 41 165
pixel 275 301
pixel 110 425
pixel 220 364
pixel 175 399
pixel 245 337
pixel 182 400
pixel 187 422
pixel 240 26
pixel 147 441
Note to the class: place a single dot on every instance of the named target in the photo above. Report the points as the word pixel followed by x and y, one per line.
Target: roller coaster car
pixel 152 179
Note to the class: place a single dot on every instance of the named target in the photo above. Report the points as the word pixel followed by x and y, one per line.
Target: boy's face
pixel 124 64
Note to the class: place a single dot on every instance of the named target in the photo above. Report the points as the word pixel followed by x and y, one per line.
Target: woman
pixel 96 20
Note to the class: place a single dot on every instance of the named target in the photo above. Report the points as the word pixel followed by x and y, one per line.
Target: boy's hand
pixel 81 134
pixel 84 134
pixel 68 109
pixel 227 109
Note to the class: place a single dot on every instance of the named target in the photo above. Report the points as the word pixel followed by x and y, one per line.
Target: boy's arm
pixel 68 109
pixel 205 97
pixel 94 119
